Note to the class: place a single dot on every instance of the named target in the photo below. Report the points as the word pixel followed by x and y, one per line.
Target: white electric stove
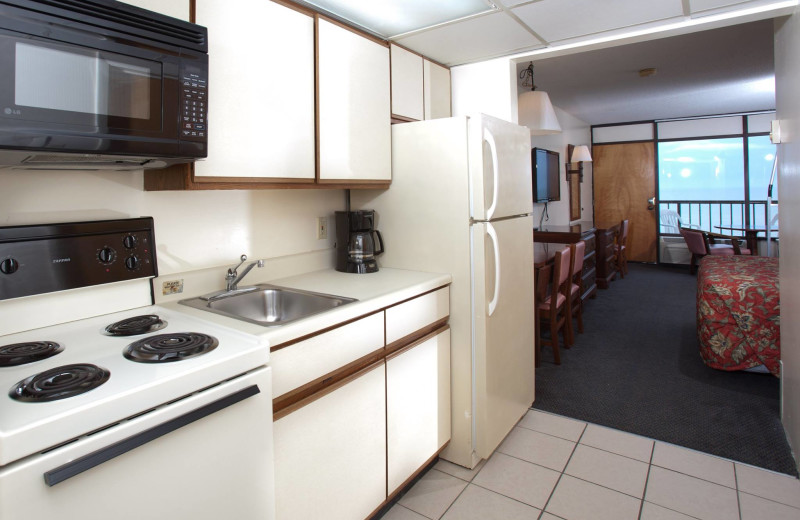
pixel 145 397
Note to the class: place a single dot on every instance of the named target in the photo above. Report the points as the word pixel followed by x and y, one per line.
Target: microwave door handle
pixel 89 461
pixel 489 138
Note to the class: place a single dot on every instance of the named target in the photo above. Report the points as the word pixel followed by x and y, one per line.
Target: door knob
pixel 651 203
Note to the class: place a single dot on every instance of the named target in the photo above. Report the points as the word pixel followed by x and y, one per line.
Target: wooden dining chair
pixel 621 248
pixel 574 303
pixel 701 243
pixel 553 308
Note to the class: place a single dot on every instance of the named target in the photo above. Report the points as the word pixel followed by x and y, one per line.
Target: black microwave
pixel 100 84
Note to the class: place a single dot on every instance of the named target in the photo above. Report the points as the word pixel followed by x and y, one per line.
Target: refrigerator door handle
pixel 489 138
pixel 493 234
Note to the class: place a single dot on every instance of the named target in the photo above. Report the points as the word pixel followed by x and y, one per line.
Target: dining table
pixel 750 235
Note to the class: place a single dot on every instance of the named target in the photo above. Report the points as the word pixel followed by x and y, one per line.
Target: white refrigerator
pixel 460 202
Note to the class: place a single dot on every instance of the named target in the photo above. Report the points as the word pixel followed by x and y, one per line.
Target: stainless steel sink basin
pixel 268 305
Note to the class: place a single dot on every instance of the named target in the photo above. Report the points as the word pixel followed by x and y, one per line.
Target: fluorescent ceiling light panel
pixel 392 17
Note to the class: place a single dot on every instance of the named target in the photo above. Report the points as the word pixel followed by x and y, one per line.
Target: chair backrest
pixel 695 241
pixel 561 272
pixel 578 251
pixel 623 232
pixel 670 221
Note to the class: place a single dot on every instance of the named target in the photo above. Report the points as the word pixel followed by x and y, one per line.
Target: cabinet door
pixel 175 8
pixel 330 455
pixel 437 90
pixel 406 84
pixel 354 106
pixel 417 406
pixel 261 91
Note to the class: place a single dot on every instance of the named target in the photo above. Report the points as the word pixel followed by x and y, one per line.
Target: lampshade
pixel 581 154
pixel 537 113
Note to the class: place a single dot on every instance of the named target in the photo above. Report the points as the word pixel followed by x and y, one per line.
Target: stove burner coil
pixel 165 348
pixel 136 325
pixel 59 383
pixel 21 353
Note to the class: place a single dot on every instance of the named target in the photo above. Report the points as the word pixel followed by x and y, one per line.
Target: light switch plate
pixel 322 228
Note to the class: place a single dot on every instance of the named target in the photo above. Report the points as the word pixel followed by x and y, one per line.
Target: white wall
pixel 488 87
pixel 194 230
pixel 787 78
pixel 576 132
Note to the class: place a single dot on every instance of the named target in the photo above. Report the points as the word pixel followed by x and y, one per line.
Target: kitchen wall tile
pixel 551 424
pixel 608 470
pixel 694 463
pixel 476 503
pixel 539 448
pixel 459 471
pixel 433 494
pixel 768 484
pixel 576 499
pixel 621 443
pixel 691 496
pixel 757 508
pixel 517 479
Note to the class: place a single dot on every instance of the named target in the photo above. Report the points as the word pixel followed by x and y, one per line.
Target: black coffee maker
pixel 357 242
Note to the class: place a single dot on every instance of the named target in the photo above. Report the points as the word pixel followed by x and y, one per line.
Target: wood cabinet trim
pixel 321 384
pixel 284 406
pixel 417 337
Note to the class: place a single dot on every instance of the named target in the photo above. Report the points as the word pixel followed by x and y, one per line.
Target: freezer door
pixel 500 168
pixel 504 328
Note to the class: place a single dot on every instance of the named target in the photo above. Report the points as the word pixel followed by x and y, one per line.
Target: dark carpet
pixel 637 368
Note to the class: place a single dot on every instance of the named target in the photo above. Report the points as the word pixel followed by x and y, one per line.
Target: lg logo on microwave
pixel 12 111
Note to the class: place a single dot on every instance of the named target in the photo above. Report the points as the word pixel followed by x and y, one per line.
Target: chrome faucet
pixel 233 278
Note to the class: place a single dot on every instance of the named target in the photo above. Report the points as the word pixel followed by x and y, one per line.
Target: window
pixel 761 154
pixel 701 169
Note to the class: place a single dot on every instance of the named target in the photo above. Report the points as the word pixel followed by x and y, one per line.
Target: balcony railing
pixel 708 214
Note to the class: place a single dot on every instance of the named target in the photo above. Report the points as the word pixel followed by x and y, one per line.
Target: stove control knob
pixel 130 241
pixel 132 263
pixel 9 266
pixel 107 255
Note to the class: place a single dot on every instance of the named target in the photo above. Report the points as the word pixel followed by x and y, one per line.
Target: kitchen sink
pixel 268 305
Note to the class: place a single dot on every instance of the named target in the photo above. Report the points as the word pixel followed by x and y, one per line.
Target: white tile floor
pixel 555 468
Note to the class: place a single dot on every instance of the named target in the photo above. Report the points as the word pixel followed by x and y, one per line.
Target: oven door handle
pixel 87 462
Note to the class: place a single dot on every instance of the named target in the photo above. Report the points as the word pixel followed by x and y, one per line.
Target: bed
pixel 738 313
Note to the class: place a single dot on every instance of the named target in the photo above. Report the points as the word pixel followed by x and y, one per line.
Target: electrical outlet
pixel 322 228
pixel 172 287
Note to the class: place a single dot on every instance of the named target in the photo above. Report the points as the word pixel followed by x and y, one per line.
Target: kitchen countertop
pixel 373 291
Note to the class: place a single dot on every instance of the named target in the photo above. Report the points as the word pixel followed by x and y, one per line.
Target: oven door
pixel 205 457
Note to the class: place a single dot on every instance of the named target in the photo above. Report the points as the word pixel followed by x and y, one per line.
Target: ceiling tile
pixel 473 39
pixel 556 20
pixel 705 5
pixel 392 17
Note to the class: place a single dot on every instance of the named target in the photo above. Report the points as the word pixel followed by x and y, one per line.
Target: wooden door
pixel 624 180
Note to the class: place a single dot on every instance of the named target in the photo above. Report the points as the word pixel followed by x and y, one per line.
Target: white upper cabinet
pixel 407 98
pixel 437 90
pixel 261 91
pixel 174 8
pixel 354 106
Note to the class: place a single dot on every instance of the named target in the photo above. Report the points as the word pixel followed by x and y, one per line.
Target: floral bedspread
pixel 738 312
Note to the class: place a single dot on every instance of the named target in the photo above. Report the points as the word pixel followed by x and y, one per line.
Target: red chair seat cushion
pixel 545 305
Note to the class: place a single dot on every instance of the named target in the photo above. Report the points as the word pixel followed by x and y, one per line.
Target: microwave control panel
pixel 194 106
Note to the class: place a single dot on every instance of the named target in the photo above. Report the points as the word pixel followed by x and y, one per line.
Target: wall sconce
pixel 534 109
pixel 577 155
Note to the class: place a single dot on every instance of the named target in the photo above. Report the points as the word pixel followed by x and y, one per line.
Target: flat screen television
pixel 546 165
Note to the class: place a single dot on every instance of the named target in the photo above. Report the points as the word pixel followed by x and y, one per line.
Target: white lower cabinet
pixel 417 406
pixel 330 455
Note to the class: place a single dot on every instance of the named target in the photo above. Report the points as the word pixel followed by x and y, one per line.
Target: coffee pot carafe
pixel 357 242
